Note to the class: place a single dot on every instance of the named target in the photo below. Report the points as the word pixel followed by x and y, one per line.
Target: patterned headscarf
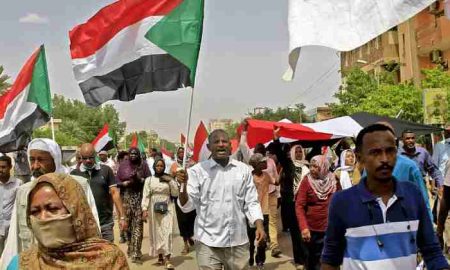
pixel 325 184
pixel 90 251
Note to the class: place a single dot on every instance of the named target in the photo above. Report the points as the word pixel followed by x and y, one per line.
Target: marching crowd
pixel 367 203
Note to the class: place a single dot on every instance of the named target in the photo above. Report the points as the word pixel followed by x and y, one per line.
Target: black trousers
pixel 284 205
pixel 185 223
pixel 260 257
pixel 444 207
pixel 298 249
pixel 314 250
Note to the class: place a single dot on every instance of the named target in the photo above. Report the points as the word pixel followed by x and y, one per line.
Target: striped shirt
pixel 363 233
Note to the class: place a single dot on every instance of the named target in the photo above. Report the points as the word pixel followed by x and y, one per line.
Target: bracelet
pixel 122 218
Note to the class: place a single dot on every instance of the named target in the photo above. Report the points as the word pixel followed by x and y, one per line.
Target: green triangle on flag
pixel 179 33
pixel 27 105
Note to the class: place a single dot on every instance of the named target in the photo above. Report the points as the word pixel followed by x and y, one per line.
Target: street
pixel 188 262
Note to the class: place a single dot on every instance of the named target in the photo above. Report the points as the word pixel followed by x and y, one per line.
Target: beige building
pixel 419 43
pixel 319 114
pixel 219 123
pixel 56 124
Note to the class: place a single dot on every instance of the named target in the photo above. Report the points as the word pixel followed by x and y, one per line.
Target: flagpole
pixel 188 129
pixel 53 128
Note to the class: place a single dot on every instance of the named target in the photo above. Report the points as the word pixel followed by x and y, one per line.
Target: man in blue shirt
pixel 421 156
pixel 381 223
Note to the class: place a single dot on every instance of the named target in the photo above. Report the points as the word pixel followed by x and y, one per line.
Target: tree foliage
pixel 294 113
pixel 4 85
pixel 81 123
pixel 150 140
pixel 361 92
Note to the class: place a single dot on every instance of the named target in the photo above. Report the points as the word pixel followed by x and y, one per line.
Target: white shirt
pixel 223 198
pixel 385 207
pixel 441 154
pixel 150 162
pixel 8 192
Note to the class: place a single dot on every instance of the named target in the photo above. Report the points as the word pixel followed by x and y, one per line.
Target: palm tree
pixel 4 85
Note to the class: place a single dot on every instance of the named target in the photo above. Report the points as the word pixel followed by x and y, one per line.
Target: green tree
pixel 294 113
pixel 4 85
pixel 356 86
pixel 62 138
pixel 389 100
pixel 83 123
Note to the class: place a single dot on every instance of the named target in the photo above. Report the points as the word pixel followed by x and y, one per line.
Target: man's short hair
pixel 7 160
pixel 367 130
pixel 407 131
pixel 216 131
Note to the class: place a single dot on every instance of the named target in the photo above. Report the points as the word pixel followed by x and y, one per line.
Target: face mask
pixel 55 232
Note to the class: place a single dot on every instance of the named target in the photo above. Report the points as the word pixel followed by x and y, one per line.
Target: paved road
pixel 188 262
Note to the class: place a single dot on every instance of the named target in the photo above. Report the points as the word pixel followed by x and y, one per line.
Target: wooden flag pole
pixel 188 129
pixel 53 128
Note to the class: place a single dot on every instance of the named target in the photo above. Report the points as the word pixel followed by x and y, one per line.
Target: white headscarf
pixel 344 178
pixel 49 146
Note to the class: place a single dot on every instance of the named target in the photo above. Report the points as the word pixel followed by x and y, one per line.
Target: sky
pixel 242 59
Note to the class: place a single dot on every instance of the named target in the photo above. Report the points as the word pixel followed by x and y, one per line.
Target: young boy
pixel 262 181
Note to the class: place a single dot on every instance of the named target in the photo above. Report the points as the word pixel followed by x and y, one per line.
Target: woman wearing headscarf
pixel 67 235
pixel 158 207
pixel 347 174
pixel 294 166
pixel 311 207
pixel 131 175
pixel 301 169
pixel 185 220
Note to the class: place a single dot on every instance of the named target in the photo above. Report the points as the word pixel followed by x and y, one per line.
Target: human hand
pixel 126 183
pixel 144 215
pixel 260 235
pixel 123 225
pixel 306 235
pixel 245 124
pixel 276 133
pixel 182 176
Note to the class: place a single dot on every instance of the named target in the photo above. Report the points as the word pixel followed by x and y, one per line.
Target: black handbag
pixel 161 207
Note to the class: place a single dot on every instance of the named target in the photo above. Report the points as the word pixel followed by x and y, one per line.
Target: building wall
pixel 409 45
pixel 219 123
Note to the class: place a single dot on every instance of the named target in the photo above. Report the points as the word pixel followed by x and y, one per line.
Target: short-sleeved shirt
pixel 100 179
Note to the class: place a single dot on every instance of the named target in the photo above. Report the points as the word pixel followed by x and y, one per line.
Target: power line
pixel 321 78
pixel 324 76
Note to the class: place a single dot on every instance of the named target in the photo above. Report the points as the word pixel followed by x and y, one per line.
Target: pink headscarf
pixel 325 184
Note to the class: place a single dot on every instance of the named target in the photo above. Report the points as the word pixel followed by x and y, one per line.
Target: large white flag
pixel 343 24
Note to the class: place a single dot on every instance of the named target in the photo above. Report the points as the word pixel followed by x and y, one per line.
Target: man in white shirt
pixel 44 156
pixel 222 191
pixel 104 160
pixel 8 190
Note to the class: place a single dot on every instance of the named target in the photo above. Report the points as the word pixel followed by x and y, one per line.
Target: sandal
pixel 185 249
pixel 169 266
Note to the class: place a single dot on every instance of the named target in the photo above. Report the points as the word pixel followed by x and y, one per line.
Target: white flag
pixel 343 24
pixel 447 8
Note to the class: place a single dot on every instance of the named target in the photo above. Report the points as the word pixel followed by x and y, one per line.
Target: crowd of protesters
pixel 362 203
